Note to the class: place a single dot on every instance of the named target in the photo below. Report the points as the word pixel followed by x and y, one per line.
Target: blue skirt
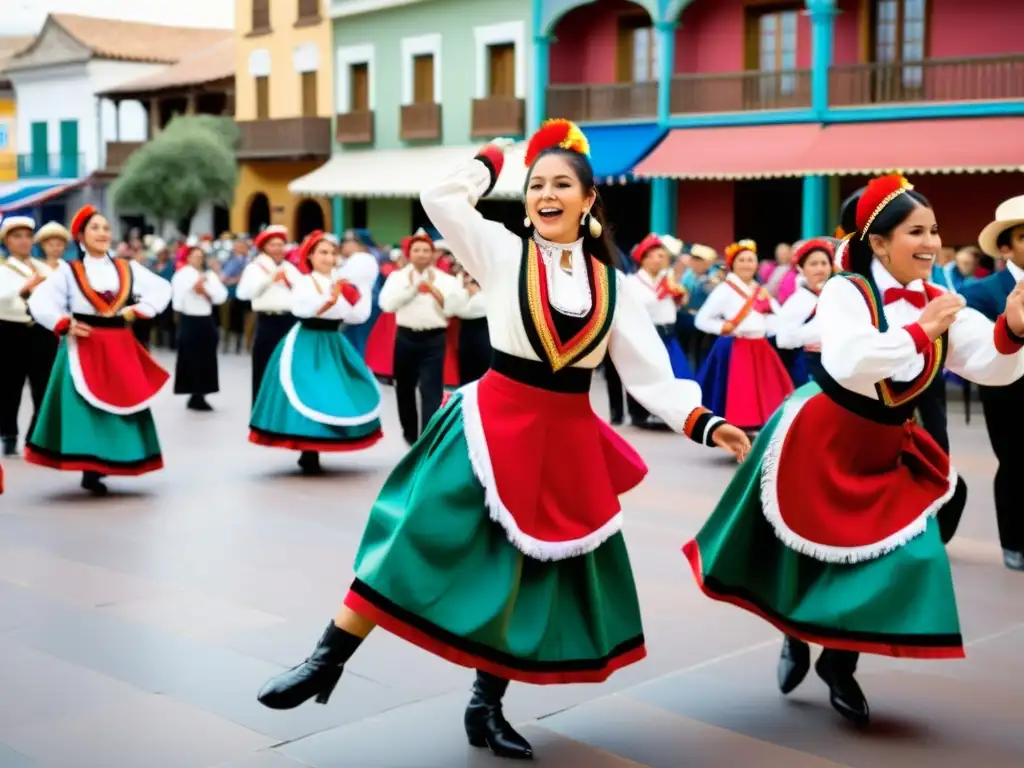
pixel 317 394
pixel 680 365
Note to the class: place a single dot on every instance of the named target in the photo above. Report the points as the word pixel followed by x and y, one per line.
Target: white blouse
pixel 184 298
pixel 258 285
pixel 857 355
pixel 414 309
pixel 14 274
pixel 311 297
pixel 360 269
pixel 468 307
pixel 792 328
pixel 725 302
pixel 60 296
pixel 662 311
pixel 493 254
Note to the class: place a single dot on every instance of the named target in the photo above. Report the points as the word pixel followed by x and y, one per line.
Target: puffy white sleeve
pixel 152 292
pixel 50 303
pixel 853 351
pixel 398 290
pixel 984 352
pixel 361 270
pixel 184 280
pixel 215 289
pixel 643 364
pixel 11 283
pixel 306 300
pixel 792 330
pixel 451 206
pixel 253 282
pixel 711 316
pixel 358 313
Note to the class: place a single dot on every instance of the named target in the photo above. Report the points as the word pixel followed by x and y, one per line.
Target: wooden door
pixel 772 37
pixel 423 79
pixel 898 42
pixel 309 99
pixel 501 62
pixel 638 50
pixel 359 87
pixel 262 97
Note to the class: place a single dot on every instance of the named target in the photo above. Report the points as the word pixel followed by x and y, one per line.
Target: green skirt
pixel 900 603
pixel 72 435
pixel 435 570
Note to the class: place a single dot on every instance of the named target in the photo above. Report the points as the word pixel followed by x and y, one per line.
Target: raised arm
pixel 451 206
pixel 984 352
pixel 152 292
pixel 50 303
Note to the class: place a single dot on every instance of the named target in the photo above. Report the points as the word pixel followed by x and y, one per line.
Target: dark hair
pixel 890 217
pixel 1005 239
pixel 601 248
pixel 848 212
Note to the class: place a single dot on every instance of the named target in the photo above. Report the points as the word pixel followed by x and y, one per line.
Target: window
pixel 423 79
pixel 501 69
pixel 69 149
pixel 5 135
pixel 638 49
pixel 359 87
pixel 309 10
pixel 899 37
pixel 260 15
pixel 776 39
pixel 262 97
pixel 309 100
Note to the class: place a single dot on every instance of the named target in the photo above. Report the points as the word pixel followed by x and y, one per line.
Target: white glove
pixel 502 143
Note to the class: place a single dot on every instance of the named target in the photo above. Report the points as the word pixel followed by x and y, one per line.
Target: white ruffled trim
pixel 288 384
pixel 480 458
pixel 824 552
pixel 82 386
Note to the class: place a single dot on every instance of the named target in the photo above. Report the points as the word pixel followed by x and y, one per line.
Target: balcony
pixel 41 166
pixel 740 92
pixel 118 153
pixel 498 116
pixel 602 103
pixel 420 122
pixel 993 78
pixel 354 127
pixel 285 138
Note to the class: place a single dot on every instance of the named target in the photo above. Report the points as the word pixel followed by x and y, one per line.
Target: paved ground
pixel 135 630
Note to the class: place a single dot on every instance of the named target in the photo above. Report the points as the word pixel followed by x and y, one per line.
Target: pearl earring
pixel 594 226
pixel 527 223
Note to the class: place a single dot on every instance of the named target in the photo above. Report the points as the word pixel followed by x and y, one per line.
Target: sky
pixel 25 17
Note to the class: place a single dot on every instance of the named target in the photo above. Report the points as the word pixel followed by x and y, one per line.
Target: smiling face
pixel 655 260
pixel 196 258
pixel 421 255
pixel 275 248
pixel 19 242
pixel 816 269
pixel 556 199
pixel 53 247
pixel 910 250
pixel 96 237
pixel 744 265
pixel 324 257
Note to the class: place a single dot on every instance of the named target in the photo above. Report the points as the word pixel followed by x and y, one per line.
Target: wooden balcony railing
pixel 606 102
pixel 420 122
pixel 293 137
pixel 118 153
pixel 354 127
pixel 740 91
pixel 498 116
pixel 990 78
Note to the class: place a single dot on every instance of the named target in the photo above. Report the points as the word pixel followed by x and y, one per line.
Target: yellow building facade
pixel 8 141
pixel 283 104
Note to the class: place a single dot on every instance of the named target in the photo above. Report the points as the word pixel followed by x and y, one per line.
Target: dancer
pixel 95 417
pixel 26 349
pixel 469 303
pixel 743 376
pixel 797 325
pixel 195 291
pixel 486 546
pixel 1004 239
pixel 851 556
pixel 318 395
pixel 267 283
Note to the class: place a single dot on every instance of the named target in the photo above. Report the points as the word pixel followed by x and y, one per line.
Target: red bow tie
pixel 917 298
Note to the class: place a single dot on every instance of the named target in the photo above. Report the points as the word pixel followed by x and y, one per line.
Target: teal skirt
pixel 317 394
pixel 72 435
pixel 900 603
pixel 434 569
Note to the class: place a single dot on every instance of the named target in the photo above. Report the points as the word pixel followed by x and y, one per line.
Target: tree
pixel 190 163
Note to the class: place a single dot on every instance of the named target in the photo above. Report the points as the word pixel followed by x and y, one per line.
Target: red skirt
pixel 380 346
pixel 123 388
pixel 758 382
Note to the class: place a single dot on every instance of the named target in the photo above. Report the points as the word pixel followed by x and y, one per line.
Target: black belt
pixel 320 324
pixel 98 321
pixel 533 373
pixel 272 314
pixel 427 333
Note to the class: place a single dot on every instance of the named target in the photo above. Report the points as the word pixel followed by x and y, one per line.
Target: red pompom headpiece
pixel 878 194
pixel 268 234
pixel 646 245
pixel 736 249
pixel 419 237
pixel 557 133
pixel 807 247
pixel 306 249
pixel 80 219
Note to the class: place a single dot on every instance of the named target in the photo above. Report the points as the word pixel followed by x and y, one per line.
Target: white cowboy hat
pixel 52 229
pixel 1009 214
pixel 704 252
pixel 672 244
pixel 11 223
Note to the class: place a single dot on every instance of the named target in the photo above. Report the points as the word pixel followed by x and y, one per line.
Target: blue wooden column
pixel 338 215
pixel 663 191
pixel 816 189
pixel 537 101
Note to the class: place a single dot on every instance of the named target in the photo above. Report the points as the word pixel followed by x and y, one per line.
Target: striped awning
pixel 27 193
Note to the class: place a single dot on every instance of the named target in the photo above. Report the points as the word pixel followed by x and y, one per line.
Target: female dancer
pixel 496 541
pixel 318 395
pixel 195 291
pixel 469 304
pixel 850 556
pixel 91 421
pixel 743 377
pixel 797 325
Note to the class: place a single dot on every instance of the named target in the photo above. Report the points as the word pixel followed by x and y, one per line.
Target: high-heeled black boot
pixel 316 676
pixel 92 482
pixel 486 725
pixel 309 463
pixel 794 663
pixel 836 668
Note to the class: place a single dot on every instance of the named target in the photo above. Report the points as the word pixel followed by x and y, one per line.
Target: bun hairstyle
pixel 878 209
pixel 565 139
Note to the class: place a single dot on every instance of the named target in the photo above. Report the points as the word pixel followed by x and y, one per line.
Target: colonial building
pixel 9 46
pixel 63 124
pixel 283 104
pixel 418 87
pixel 772 110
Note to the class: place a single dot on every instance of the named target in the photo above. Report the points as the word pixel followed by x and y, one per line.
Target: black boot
pixel 486 726
pixel 316 676
pixel 92 482
pixel 836 668
pixel 309 462
pixel 198 403
pixel 10 446
pixel 794 663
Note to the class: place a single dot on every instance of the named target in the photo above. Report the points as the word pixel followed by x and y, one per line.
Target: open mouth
pixel 549 214
pixel 929 257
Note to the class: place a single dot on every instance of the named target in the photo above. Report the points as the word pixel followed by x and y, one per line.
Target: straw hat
pixel 704 252
pixel 1009 214
pixel 11 223
pixel 52 229
pixel 673 245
